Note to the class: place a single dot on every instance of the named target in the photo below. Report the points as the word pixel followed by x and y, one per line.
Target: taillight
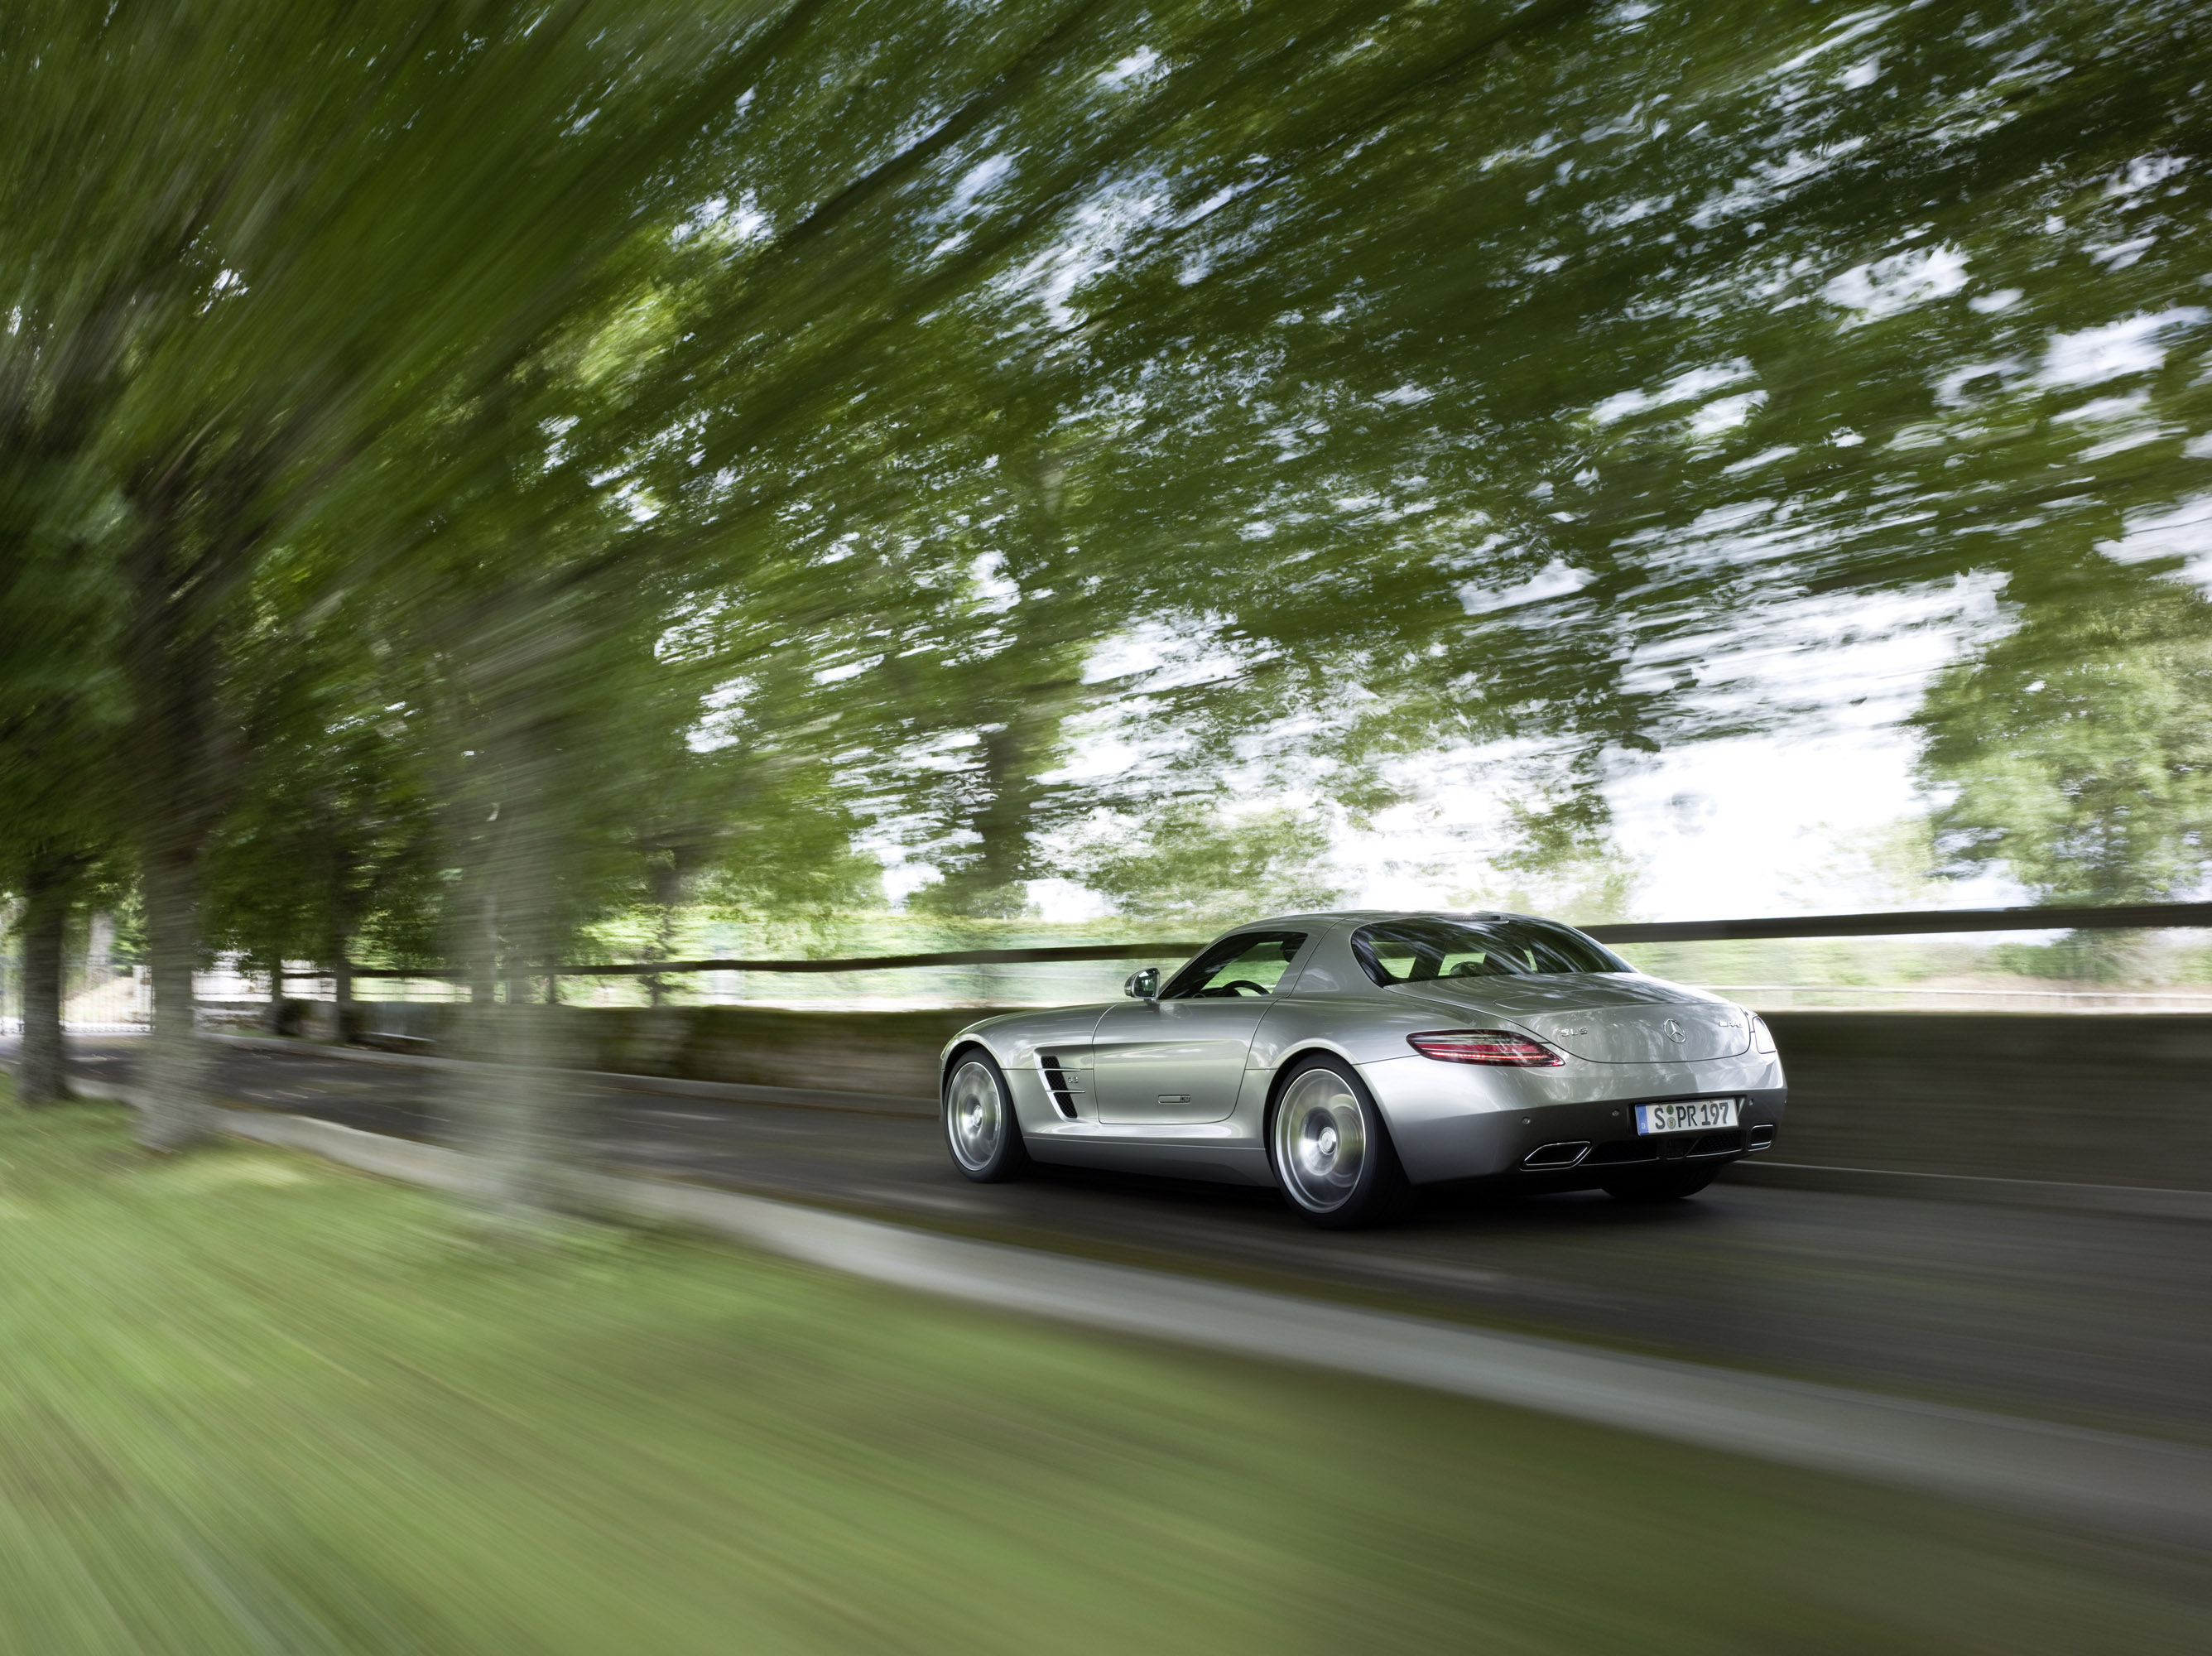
pixel 1499 1046
pixel 1762 1038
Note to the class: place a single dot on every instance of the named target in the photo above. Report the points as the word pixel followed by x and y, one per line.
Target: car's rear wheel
pixel 981 1130
pixel 1330 1149
pixel 1670 1186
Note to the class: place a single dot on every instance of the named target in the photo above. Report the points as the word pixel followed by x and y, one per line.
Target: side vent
pixel 1064 1087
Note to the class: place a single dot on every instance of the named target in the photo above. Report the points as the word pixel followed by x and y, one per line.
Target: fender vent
pixel 1064 1087
pixel 1564 1154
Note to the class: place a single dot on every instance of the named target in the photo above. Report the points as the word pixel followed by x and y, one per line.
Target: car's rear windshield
pixel 1417 950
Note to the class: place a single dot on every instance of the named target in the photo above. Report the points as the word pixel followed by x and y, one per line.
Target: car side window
pixel 1247 965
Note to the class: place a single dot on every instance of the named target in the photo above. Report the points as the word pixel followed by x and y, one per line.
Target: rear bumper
pixel 1448 1125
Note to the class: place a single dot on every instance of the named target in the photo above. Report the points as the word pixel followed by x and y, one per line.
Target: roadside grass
pixel 249 1402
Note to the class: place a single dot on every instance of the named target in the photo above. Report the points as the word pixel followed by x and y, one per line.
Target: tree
pixel 311 229
pixel 60 816
pixel 2075 751
pixel 332 830
pixel 851 381
pixel 1199 863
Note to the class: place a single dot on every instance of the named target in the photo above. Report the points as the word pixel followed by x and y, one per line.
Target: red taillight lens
pixel 1498 1047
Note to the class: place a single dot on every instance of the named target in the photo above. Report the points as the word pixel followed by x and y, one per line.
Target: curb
pixel 808 1098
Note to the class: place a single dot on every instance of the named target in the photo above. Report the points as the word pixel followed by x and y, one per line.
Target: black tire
pixel 1670 1186
pixel 976 1110
pixel 1321 1106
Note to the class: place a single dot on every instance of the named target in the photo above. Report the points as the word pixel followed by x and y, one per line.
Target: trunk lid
pixel 1600 1017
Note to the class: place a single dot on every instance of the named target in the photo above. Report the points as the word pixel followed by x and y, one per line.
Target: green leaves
pixel 709 428
pixel 2076 753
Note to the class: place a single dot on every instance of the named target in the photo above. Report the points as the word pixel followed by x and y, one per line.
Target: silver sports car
pixel 1343 1057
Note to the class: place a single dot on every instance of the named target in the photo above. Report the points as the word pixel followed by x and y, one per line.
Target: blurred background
pixel 521 521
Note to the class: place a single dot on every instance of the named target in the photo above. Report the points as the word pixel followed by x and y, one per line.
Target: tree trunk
pixel 276 995
pixel 46 921
pixel 182 761
pixel 523 1113
pixel 174 1107
pixel 342 997
pixel 663 936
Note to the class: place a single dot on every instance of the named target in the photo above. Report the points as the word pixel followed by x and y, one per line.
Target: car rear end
pixel 1572 1083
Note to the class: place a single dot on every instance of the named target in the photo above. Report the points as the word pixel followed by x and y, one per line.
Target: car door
pixel 1180 1059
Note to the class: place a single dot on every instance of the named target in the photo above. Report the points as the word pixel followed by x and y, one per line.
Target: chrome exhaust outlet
pixel 1566 1154
pixel 1760 1137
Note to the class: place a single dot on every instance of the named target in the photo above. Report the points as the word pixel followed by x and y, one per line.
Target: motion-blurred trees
pixel 1205 863
pixel 736 422
pixel 286 233
pixel 61 809
pixel 2076 752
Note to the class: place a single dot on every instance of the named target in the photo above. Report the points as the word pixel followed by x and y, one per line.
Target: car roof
pixel 1332 917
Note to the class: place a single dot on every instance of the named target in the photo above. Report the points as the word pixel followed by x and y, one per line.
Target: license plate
pixel 1691 1116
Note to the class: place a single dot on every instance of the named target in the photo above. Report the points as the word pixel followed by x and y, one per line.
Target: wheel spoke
pixel 975 1116
pixel 1321 1141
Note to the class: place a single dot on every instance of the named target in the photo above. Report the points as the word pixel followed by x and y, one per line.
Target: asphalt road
pixel 2103 1320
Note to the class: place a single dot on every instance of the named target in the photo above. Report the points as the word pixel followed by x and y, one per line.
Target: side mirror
pixel 1143 985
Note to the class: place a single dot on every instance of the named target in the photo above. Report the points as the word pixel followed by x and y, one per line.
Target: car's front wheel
pixel 1330 1150
pixel 1660 1187
pixel 981 1132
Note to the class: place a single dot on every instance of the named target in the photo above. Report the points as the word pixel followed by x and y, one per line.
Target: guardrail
pixel 2119 916
pixel 871 963
pixel 2134 916
pixel 2137 916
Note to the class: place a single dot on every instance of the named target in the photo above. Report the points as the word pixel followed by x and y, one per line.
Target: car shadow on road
pixel 1470 1207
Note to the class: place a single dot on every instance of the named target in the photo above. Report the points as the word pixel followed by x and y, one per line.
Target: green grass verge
pixel 251 1403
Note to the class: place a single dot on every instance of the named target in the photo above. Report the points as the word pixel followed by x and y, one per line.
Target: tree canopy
pixel 470 469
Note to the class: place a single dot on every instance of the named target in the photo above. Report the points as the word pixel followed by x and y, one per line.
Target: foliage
pixel 1203 862
pixel 2076 752
pixel 712 433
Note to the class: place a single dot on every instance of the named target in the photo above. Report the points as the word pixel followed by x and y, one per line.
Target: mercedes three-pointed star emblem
pixel 1674 1028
